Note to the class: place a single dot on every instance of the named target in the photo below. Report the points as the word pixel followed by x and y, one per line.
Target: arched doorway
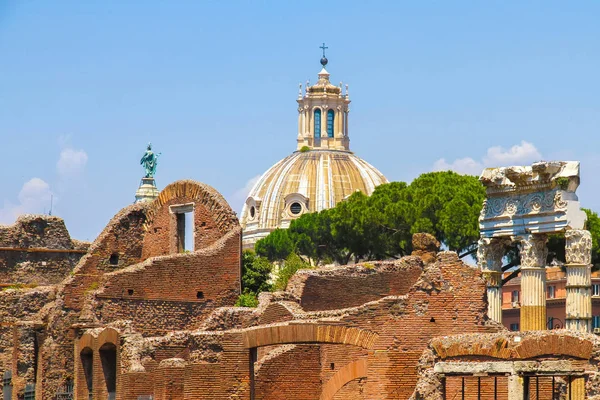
pixel 108 358
pixel 301 334
pixel 87 361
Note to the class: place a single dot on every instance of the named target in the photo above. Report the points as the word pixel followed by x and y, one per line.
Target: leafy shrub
pixel 247 299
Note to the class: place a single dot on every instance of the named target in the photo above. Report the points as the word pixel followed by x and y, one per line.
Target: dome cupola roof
pixel 322 171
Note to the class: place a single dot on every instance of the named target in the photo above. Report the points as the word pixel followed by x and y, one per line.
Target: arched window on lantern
pixel 317 122
pixel 330 119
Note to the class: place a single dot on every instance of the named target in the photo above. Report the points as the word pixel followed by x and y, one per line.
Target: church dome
pixel 322 171
pixel 304 182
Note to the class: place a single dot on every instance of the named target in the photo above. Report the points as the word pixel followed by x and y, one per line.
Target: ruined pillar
pixel 533 253
pixel 577 388
pixel 516 387
pixel 578 253
pixel 489 258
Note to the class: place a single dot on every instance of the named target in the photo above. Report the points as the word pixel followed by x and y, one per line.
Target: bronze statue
pixel 149 161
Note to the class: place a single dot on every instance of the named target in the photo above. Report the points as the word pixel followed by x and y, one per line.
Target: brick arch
pixel 554 345
pixel 206 195
pixel 108 335
pixel 351 371
pixel 86 340
pixel 503 347
pixel 307 333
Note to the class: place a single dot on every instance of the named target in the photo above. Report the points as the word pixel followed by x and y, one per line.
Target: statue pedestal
pixel 147 190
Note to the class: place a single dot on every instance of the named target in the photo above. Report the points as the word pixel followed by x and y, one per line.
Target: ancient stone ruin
pixel 138 315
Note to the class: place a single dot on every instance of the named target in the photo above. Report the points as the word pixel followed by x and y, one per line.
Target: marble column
pixel 533 253
pixel 577 389
pixel 489 258
pixel 578 253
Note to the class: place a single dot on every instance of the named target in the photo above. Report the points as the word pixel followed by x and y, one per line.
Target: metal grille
pixel 29 391
pixel 547 387
pixel 66 392
pixel 469 387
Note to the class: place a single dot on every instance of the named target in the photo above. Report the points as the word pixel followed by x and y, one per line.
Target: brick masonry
pixel 372 331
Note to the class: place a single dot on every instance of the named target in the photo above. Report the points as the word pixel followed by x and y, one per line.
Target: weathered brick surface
pixel 120 280
pixel 169 380
pixel 353 390
pixel 121 239
pixel 372 331
pixel 343 287
pixel 290 374
pixel 174 292
pixel 18 309
pixel 213 217
pixel 37 250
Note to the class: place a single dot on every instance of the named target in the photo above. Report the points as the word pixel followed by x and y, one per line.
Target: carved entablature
pixel 578 249
pixel 534 199
pixel 540 176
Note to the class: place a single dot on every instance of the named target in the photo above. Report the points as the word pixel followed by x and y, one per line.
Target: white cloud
pixel 71 162
pixel 465 165
pixel 34 198
pixel 519 154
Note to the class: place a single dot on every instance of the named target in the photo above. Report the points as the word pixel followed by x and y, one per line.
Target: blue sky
pixel 85 85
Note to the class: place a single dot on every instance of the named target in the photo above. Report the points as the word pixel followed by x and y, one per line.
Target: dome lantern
pixel 323 114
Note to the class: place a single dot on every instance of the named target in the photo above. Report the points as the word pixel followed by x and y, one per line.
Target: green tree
pixel 276 246
pixel 447 205
pixel 288 268
pixel 593 225
pixel 247 300
pixel 255 273
pixel 380 226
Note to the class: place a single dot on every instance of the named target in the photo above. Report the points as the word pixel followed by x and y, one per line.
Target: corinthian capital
pixel 490 253
pixel 533 251
pixel 578 249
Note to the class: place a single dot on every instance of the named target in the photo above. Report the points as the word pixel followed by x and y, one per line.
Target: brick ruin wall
pixel 447 297
pixel 118 246
pixel 37 250
pixel 290 372
pixel 213 218
pixel 19 330
pixel 344 287
pixel 125 279
pixel 353 390
pixel 175 292
pixel 409 304
pixel 483 363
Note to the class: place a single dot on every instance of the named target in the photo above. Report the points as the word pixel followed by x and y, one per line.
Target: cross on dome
pixel 324 60
pixel 324 48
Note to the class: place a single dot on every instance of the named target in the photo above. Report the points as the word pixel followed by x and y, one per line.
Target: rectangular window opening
pixel 551 292
pixel 184 217
pixel 514 327
pixel 596 289
pixel 515 296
